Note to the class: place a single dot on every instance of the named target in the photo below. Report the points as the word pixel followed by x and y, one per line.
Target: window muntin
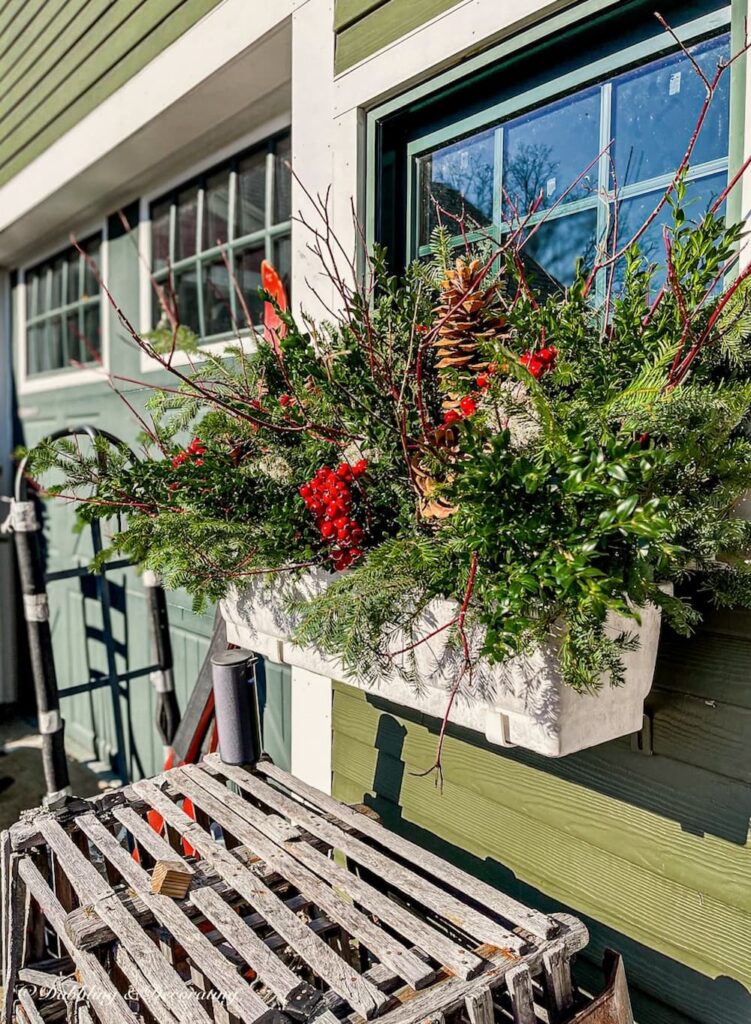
pixel 240 208
pixel 649 112
pixel 63 326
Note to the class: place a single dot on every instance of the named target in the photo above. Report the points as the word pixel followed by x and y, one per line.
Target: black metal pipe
pixel 26 528
pixel 162 678
pixel 238 718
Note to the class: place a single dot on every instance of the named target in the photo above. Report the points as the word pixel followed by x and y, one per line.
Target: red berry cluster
pixel 468 404
pixel 328 496
pixel 541 361
pixel 194 451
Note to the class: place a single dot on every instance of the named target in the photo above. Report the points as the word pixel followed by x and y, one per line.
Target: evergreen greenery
pixel 600 453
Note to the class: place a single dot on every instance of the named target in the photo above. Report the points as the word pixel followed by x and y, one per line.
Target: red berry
pixel 451 416
pixel 344 472
pixel 285 400
pixel 360 467
pixel 357 535
pixel 491 368
pixel 316 506
pixel 327 529
pixel 355 553
pixel 343 532
pixel 483 380
pixel 199 462
pixel 306 491
pixel 332 509
pixel 468 405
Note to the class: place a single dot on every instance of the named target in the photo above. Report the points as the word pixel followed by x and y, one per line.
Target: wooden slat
pixel 360 994
pixel 153 972
pixel 558 988
pixel 479 1006
pixel 29 1007
pixel 519 982
pixel 347 12
pixel 484 928
pixel 292 993
pixel 236 993
pixel 14 925
pixel 109 1005
pixel 387 949
pixel 432 941
pixel 146 837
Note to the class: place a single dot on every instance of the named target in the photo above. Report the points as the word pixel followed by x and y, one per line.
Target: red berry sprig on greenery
pixel 541 361
pixel 194 451
pixel 328 497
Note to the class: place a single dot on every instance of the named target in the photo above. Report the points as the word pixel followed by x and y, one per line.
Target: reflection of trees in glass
pixel 527 173
pixel 472 178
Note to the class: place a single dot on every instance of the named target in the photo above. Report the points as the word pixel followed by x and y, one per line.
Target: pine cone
pixel 468 313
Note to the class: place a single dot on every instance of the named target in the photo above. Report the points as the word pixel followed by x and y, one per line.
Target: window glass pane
pixel 632 213
pixel 251 195
pixel 54 357
pixel 186 296
pixel 56 293
pixel 187 220
pixel 216 210
pixel 160 220
pixel 90 285
pixel 32 295
pixel 73 291
pixel 551 253
pixel 545 151
pixel 91 343
pixel 283 260
pixel 34 340
pixel 248 274
pixel 217 311
pixel 282 181
pixel 458 178
pixel 76 348
pixel 655 109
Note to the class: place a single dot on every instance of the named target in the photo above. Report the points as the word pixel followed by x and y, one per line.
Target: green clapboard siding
pixel 365 26
pixel 652 852
pixel 60 59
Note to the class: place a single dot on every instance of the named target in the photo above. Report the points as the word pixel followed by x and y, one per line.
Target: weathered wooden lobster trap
pixel 215 894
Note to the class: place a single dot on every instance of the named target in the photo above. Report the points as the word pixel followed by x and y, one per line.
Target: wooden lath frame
pixel 299 908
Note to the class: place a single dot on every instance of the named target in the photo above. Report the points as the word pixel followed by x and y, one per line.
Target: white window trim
pixel 63 377
pixel 147 301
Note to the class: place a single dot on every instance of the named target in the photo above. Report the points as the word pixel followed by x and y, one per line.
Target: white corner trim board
pixel 311 721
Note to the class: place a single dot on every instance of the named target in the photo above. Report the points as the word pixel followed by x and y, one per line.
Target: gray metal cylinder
pixel 238 718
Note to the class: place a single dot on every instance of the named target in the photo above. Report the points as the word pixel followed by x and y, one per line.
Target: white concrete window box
pixel 521 703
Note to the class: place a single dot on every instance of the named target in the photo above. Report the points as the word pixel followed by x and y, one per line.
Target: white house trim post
pixel 313 161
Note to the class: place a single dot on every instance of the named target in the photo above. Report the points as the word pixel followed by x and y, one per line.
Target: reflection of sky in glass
pixel 633 213
pixel 655 110
pixel 547 150
pixel 557 243
pixel 460 179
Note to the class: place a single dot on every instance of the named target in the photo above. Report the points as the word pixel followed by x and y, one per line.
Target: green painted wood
pixel 631 869
pixel 709 665
pixel 381 26
pixel 121 41
pixel 703 732
pixel 648 840
pixel 17 21
pixel 346 12
pixel 27 62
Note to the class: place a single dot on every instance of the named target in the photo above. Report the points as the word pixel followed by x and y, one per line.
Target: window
pixel 539 121
pixel 240 209
pixel 494 175
pixel 63 317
